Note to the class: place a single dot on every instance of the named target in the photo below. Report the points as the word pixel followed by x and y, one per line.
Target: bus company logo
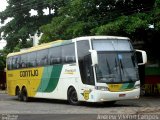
pixel 29 73
pixel 86 94
pixel 70 71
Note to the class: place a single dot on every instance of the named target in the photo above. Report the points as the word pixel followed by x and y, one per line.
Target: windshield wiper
pixel 124 70
pixel 109 69
pixel 121 66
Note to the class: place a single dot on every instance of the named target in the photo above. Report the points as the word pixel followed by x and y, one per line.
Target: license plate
pixel 122 95
pixel 114 87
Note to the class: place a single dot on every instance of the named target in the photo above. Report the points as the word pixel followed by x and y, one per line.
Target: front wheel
pixel 72 96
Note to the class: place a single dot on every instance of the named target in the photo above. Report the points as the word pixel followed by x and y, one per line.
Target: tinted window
pixel 112 45
pixel 54 56
pixel 23 63
pixel 68 53
pixel 84 59
pixel 16 62
pixel 83 49
pixel 42 57
pixel 32 59
pixel 9 63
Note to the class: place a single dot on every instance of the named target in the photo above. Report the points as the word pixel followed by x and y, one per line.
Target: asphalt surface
pixel 42 109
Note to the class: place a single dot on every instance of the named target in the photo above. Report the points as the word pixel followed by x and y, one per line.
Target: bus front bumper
pixel 102 96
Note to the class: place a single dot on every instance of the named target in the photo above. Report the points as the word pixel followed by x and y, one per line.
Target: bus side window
pixel 70 59
pixel 16 62
pixel 68 53
pixel 9 63
pixel 23 62
pixel 31 62
pixel 54 55
pixel 42 57
pixel 13 63
pixel 51 61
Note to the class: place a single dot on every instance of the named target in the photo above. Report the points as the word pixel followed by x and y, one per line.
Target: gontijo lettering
pixel 28 73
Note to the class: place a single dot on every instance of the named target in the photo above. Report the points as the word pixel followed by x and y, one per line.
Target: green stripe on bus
pixel 54 78
pixel 127 86
pixel 45 78
pixel 131 85
pixel 124 86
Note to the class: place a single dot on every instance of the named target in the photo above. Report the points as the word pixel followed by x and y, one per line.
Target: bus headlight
pixel 103 88
pixel 137 86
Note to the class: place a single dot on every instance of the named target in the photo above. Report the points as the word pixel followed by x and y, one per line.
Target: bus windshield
pixel 116 64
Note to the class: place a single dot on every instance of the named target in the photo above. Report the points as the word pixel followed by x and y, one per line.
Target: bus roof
pixel 40 47
pixel 99 37
pixel 62 42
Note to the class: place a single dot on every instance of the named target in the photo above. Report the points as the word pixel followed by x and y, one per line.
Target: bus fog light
pixel 102 99
pixel 101 88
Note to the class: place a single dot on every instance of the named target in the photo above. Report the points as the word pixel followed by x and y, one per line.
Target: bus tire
pixel 25 95
pixel 18 94
pixel 72 96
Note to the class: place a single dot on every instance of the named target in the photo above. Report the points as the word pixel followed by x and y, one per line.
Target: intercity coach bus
pixel 89 69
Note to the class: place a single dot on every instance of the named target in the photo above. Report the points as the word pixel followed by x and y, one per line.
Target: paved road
pixel 10 105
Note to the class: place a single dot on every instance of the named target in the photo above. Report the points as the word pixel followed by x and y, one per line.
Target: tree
pixel 92 17
pixel 22 25
pixel 73 18
pixel 2 60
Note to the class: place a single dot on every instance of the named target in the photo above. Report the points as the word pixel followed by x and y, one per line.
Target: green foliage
pixel 2 60
pixel 124 25
pixel 98 17
pixel 23 24
pixel 73 18
pixel 112 28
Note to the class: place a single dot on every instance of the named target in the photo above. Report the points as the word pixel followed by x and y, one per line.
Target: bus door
pixel 85 65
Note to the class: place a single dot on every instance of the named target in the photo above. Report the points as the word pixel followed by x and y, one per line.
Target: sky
pixel 2 8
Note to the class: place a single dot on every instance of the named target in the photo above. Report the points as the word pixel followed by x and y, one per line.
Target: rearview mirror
pixel 94 57
pixel 141 57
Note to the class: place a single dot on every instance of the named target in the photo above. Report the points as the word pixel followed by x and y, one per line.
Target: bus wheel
pixel 24 94
pixel 72 96
pixel 18 93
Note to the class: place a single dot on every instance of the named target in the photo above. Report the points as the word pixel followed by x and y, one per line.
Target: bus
pixel 83 69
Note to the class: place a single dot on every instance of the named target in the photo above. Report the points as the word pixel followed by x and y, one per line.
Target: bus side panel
pixel 61 77
pixel 69 77
pixel 50 78
pixel 33 82
pixel 29 78
pixel 12 82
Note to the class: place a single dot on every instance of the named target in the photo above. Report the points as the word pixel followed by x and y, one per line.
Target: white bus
pixel 90 69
